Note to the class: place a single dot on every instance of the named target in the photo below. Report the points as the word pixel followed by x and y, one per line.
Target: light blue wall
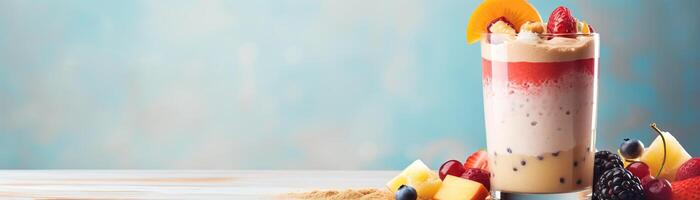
pixel 301 84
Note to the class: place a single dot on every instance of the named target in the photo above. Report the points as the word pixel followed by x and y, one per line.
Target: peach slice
pixel 517 12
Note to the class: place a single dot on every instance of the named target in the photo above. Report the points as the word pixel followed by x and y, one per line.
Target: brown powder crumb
pixel 364 194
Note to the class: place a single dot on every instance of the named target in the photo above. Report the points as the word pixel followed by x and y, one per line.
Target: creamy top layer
pixel 530 48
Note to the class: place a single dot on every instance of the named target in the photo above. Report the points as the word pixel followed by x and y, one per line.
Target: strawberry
pixel 689 169
pixel 561 21
pixel 590 28
pixel 688 189
pixel 478 159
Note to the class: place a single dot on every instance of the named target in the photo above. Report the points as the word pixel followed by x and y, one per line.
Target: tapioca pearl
pixel 509 150
pixel 533 123
pixel 568 112
pixel 522 162
pixel 575 163
pixel 527 114
pixel 555 154
pixel 579 181
pixel 559 129
pixel 562 180
pixel 515 169
pixel 540 157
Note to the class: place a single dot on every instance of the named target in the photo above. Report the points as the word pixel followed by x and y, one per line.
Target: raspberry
pixel 561 21
pixel 618 184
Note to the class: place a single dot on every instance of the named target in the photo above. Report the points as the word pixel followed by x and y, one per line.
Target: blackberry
pixel 618 184
pixel 604 161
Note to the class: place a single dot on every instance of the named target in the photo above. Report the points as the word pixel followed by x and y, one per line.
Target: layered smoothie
pixel 540 108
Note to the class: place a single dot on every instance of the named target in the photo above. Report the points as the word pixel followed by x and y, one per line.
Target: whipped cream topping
pixel 529 47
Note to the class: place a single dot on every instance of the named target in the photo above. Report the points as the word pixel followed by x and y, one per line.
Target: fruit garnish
pixel 583 27
pixel 534 27
pixel 455 188
pixel 478 159
pixel 664 151
pixel 618 184
pixel 604 161
pixel 517 12
pixel 639 169
pixel 646 180
pixel 451 167
pixel 689 169
pixel 658 189
pixel 420 177
pixel 590 29
pixel 478 175
pixel 502 26
pixel 626 162
pixel 406 193
pixel 561 21
pixel 688 189
pixel 631 149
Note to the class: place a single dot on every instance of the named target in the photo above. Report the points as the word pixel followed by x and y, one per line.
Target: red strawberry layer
pixel 536 73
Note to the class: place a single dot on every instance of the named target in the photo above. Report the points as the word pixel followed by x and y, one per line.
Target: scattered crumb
pixel 364 194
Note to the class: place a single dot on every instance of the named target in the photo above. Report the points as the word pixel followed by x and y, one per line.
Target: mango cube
pixel 420 177
pixel 456 188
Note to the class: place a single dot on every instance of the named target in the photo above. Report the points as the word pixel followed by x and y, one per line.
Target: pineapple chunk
pixel 675 156
pixel 455 188
pixel 418 176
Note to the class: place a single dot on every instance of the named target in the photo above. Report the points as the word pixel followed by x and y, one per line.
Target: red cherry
pixel 478 175
pixel 639 169
pixel 561 21
pixel 646 180
pixel 451 167
pixel 658 189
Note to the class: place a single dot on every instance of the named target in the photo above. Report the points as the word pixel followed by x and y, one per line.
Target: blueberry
pixel 406 192
pixel 631 149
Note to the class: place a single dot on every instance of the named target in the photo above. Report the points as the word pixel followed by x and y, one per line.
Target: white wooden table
pixel 191 184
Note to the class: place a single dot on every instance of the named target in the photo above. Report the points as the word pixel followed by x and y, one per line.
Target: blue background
pixel 306 84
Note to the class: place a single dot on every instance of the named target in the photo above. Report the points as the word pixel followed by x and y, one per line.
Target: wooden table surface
pixel 190 184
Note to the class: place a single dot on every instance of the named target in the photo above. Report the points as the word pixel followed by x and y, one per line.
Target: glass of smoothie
pixel 540 111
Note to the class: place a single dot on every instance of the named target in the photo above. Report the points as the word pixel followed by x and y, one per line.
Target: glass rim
pixel 550 34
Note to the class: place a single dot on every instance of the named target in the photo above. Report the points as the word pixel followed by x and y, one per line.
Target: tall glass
pixel 540 110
